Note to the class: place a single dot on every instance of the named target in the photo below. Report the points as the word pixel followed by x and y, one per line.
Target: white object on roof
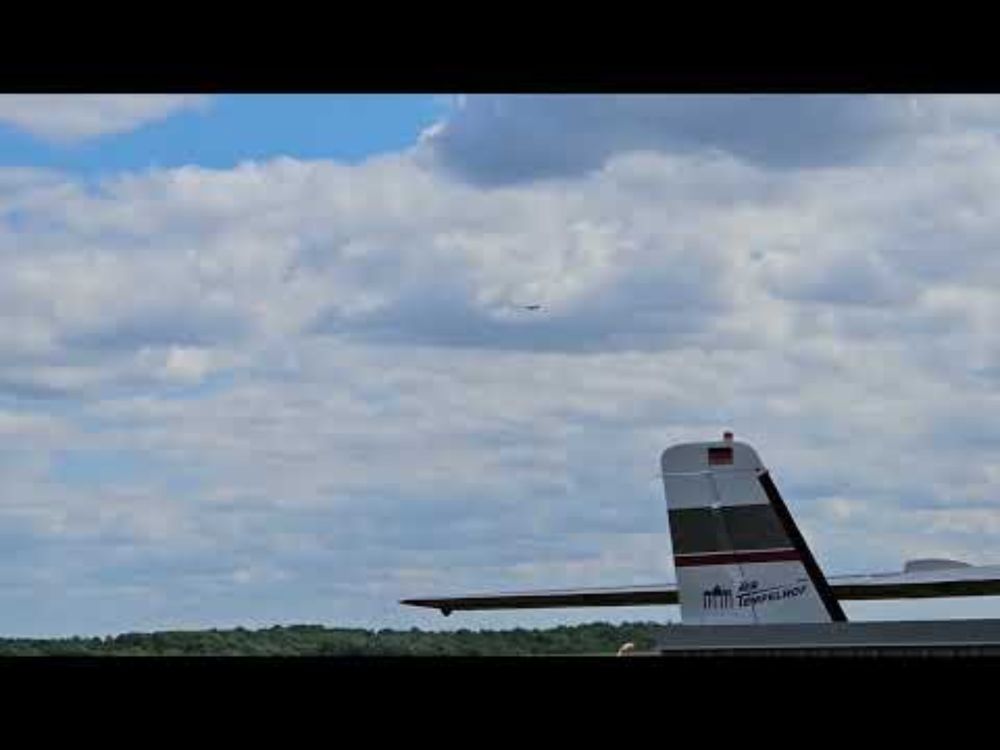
pixel 915 566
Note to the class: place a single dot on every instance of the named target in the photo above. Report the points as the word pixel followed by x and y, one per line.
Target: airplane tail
pixel 739 556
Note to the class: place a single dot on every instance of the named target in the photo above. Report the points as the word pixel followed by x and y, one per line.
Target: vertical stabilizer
pixel 739 556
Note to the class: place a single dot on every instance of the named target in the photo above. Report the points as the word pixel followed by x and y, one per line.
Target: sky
pixel 265 359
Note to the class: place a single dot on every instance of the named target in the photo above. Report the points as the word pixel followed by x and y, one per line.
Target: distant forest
pixel 316 640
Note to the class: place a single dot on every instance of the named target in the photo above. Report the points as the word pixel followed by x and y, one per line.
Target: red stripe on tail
pixel 729 558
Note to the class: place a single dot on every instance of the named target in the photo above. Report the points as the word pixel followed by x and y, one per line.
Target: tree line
pixel 317 640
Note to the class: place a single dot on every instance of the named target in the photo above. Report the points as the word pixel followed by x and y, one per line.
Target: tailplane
pixel 739 556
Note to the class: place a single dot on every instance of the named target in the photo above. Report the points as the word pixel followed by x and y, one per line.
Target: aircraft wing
pixel 966 580
pixel 941 582
pixel 605 597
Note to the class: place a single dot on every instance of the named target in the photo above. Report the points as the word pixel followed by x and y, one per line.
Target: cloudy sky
pixel 265 359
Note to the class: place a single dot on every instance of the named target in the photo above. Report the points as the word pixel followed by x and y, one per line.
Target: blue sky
pixel 229 129
pixel 265 358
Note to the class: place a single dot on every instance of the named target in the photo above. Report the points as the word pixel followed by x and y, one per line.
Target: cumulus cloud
pixel 493 139
pixel 315 385
pixel 70 118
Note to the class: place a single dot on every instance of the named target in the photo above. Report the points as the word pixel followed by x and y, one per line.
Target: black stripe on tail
pixel 826 594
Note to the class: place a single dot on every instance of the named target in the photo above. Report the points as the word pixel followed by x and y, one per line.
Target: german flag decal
pixel 718 456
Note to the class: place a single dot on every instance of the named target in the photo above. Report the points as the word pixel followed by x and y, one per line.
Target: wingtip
pixel 424 603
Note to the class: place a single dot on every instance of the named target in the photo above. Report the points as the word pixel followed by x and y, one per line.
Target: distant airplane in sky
pixel 740 559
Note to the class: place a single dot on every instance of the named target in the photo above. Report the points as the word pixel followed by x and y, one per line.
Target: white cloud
pixel 494 139
pixel 187 363
pixel 69 118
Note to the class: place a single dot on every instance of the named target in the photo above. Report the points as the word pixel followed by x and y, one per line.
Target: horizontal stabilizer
pixel 952 581
pixel 595 597
pixel 913 583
